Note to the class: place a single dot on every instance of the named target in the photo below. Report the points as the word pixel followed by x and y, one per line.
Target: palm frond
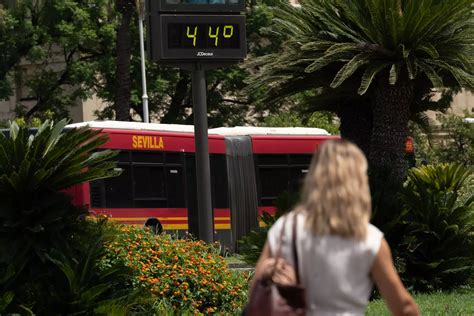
pixel 435 79
pixel 325 60
pixel 370 72
pixel 429 49
pixel 394 72
pixel 463 78
pixel 411 67
pixel 348 69
pixel 342 47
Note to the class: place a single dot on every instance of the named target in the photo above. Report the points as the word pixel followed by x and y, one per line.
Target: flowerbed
pixel 188 275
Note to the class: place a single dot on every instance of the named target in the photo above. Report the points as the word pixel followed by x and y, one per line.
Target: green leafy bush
pixel 453 141
pixel 42 235
pixel 438 248
pixel 182 274
pixel 251 245
pixel 81 283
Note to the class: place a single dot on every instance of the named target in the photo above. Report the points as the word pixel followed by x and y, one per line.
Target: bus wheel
pixel 155 225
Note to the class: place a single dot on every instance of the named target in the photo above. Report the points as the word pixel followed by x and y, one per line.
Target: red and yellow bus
pixel 250 167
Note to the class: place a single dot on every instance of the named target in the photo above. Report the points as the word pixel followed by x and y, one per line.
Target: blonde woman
pixel 340 253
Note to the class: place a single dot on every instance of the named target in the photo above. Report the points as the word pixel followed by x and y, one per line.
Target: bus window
pixel 146 182
pixel 148 179
pixel 297 175
pixel 149 182
pixel 114 192
pixel 150 157
pixel 304 160
pixel 299 165
pixel 97 193
pixel 220 194
pixel 175 186
pixel 123 156
pixel 279 173
pixel 277 160
pixel 174 158
pixel 273 181
pixel 272 177
pixel 118 192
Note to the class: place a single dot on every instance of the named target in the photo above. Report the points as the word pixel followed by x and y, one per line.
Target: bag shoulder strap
pixel 293 245
pixel 294 251
pixel 280 240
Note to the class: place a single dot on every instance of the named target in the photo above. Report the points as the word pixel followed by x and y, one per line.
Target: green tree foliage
pixel 42 234
pixel 324 120
pixel 66 41
pixel 82 34
pixel 375 53
pixel 453 141
pixel 438 248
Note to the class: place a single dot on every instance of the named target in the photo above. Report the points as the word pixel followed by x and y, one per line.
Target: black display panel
pixel 203 36
pixel 197 37
pixel 201 6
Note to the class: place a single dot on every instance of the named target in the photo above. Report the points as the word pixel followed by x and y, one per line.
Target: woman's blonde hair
pixel 336 192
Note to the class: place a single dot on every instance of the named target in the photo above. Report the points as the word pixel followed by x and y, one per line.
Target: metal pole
pixel 142 55
pixel 203 170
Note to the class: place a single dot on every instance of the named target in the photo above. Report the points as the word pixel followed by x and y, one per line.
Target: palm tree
pixel 380 50
pixel 36 215
pixel 123 85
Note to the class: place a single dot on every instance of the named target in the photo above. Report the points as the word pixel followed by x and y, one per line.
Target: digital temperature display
pixel 197 37
pixel 203 36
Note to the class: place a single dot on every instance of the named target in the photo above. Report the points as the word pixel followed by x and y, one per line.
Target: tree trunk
pixel 123 82
pixel 391 112
pixel 176 105
pixel 356 124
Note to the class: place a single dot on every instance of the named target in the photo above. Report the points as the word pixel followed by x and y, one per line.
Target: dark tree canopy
pixel 83 36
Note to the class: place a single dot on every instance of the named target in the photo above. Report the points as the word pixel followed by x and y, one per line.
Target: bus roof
pixel 225 131
pixel 178 128
pixel 249 130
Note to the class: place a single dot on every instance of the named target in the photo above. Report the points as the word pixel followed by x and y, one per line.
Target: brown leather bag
pixel 272 299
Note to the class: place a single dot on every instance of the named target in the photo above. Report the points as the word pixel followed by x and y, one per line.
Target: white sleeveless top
pixel 334 270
